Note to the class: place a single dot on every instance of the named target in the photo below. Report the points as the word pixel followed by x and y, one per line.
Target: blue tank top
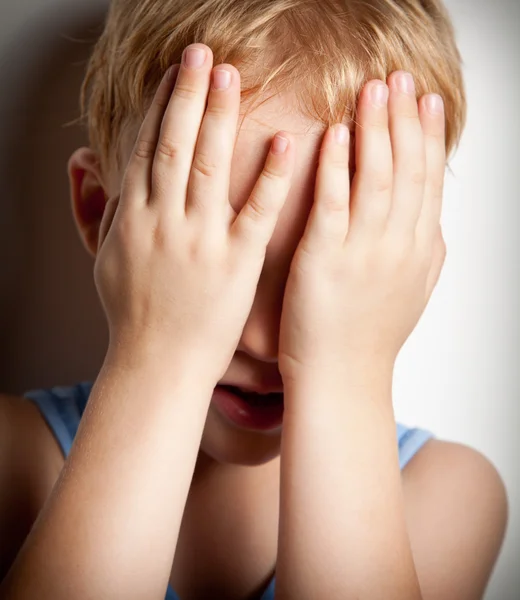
pixel 62 408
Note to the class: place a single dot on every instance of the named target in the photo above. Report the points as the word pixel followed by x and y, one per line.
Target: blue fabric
pixel 62 408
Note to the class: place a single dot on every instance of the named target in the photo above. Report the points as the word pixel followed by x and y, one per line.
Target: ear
pixel 87 195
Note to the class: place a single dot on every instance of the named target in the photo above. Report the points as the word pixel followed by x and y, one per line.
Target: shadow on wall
pixel 52 328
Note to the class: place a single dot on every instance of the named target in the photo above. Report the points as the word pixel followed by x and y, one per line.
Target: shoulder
pixel 30 462
pixel 456 511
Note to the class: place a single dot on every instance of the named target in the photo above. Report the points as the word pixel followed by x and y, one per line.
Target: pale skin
pixel 362 268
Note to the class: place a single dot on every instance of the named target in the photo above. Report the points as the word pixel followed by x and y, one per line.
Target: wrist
pixel 351 383
pixel 358 372
pixel 173 365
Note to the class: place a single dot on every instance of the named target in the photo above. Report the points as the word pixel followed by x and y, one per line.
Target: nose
pixel 261 332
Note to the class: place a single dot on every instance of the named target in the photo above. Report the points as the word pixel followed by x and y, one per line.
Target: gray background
pixel 457 375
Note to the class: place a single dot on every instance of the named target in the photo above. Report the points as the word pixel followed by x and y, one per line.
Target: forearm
pixel 342 523
pixel 110 527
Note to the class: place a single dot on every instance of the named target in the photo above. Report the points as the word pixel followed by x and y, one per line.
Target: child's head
pixel 302 65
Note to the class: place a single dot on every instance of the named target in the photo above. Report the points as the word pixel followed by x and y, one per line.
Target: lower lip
pixel 244 415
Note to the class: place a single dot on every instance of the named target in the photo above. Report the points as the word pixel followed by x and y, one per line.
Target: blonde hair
pixel 324 50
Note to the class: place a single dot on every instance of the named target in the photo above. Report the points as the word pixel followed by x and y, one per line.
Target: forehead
pixel 256 129
pixel 255 133
pixel 281 112
pixel 252 146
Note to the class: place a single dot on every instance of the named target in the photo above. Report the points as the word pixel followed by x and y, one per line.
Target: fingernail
pixel 379 94
pixel 194 57
pixel 221 79
pixel 280 144
pixel 341 134
pixel 434 104
pixel 405 83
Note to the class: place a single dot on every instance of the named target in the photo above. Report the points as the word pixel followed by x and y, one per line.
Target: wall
pixel 458 374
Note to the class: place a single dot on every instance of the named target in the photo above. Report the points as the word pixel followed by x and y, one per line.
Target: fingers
pixel 400 164
pixel 329 218
pixel 408 155
pixel 431 113
pixel 136 184
pixel 372 184
pixel 180 130
pixel 208 188
pixel 256 222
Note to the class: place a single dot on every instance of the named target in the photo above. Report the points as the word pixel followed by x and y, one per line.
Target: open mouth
pixel 255 399
pixel 249 410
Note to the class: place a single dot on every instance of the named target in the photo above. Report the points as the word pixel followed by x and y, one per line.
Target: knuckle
pixel 416 173
pixel 382 183
pixel 397 251
pixel 442 253
pixel 438 136
pixel 160 234
pixel 425 255
pixel 409 111
pixel 256 208
pixel 378 180
pixel 144 149
pixel 271 174
pixel 168 148
pixel 441 242
pixel 334 203
pixel 339 163
pixel 126 228
pixel 418 177
pixel 433 253
pixel 185 92
pixel 378 125
pixel 203 165
pixel 217 111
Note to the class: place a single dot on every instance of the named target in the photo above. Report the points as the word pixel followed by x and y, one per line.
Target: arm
pixel 110 527
pixel 456 508
pixel 359 282
pixel 176 270
pixel 342 523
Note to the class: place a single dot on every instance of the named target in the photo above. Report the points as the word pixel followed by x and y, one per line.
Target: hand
pixel 177 268
pixel 362 275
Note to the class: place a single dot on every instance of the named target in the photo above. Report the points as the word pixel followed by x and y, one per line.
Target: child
pixel 246 277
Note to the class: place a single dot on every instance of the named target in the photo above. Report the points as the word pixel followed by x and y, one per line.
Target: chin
pixel 226 444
